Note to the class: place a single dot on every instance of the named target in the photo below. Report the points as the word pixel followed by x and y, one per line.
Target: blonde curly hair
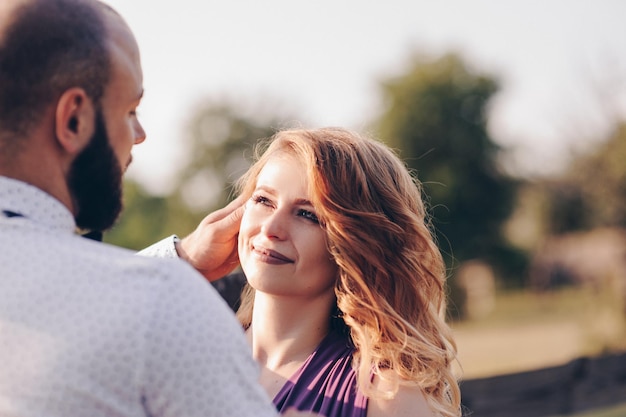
pixel 391 291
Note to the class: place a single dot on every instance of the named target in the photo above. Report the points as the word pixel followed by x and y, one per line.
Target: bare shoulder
pixel 408 402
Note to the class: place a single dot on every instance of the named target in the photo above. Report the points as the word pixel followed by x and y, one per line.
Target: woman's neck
pixel 285 331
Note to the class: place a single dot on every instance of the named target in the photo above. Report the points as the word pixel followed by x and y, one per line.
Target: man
pixel 88 329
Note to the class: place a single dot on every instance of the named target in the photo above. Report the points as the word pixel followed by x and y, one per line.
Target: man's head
pixel 47 47
pixel 71 80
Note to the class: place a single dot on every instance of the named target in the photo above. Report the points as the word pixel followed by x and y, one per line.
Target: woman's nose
pixel 274 225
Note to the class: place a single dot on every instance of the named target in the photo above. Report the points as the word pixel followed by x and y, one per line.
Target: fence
pixel 582 384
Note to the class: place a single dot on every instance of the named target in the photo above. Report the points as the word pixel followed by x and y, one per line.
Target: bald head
pixel 47 47
pixel 6 14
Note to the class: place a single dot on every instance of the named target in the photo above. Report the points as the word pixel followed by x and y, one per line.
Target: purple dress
pixel 325 383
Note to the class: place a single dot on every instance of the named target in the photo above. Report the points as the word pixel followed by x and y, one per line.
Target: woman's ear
pixel 74 120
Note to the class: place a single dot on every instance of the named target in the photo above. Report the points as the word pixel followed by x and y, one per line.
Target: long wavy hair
pixel 391 291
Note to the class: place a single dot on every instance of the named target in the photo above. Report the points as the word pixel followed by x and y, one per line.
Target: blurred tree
pixel 567 208
pixel 143 221
pixel 221 140
pixel 437 119
pixel 596 188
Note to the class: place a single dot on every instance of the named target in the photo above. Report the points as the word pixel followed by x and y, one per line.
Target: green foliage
pixel 597 187
pixel 436 118
pixel 143 221
pixel 567 208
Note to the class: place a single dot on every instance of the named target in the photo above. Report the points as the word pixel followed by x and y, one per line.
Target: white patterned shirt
pixel 91 330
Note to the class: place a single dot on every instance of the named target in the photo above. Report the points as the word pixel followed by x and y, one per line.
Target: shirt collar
pixel 35 205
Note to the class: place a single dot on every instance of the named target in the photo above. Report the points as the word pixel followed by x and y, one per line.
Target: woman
pixel 346 287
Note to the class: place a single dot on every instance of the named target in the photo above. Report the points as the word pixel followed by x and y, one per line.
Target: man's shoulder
pixel 129 260
pixel 110 263
pixel 167 279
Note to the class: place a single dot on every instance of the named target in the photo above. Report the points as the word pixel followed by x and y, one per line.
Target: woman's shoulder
pixel 408 401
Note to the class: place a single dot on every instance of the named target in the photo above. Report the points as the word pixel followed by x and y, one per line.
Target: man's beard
pixel 95 182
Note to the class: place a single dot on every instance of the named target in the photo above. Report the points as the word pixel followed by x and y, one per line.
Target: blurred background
pixel 512 114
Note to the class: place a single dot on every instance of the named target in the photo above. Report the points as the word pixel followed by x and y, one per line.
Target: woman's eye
pixel 259 199
pixel 309 215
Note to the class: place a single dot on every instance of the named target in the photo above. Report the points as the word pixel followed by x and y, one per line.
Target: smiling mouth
pixel 271 257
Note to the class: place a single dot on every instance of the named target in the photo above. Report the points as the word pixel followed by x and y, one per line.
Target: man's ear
pixel 74 120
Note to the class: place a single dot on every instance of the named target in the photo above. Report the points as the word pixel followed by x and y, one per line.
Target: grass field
pixel 528 331
pixel 617 411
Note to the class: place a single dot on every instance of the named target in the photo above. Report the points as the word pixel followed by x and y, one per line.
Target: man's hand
pixel 212 247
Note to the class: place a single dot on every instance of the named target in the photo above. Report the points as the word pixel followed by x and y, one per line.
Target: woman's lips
pixel 271 256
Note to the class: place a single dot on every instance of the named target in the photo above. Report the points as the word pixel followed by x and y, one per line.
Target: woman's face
pixel 282 247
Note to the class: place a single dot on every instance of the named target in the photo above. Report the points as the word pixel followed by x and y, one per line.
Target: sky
pixel 561 66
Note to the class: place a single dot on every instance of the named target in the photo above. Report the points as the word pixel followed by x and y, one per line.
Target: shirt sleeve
pixel 197 361
pixel 165 248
